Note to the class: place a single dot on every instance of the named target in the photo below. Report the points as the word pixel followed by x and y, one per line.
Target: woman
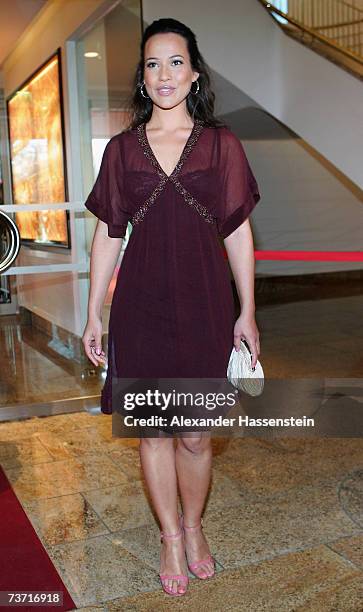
pixel 182 178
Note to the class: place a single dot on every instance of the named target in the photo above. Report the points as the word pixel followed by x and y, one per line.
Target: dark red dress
pixel 172 312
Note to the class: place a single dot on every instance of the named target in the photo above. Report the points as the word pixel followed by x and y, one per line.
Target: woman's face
pixel 168 73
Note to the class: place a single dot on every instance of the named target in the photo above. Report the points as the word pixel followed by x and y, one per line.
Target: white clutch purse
pixel 240 373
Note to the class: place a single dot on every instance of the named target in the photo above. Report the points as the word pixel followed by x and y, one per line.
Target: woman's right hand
pixel 92 341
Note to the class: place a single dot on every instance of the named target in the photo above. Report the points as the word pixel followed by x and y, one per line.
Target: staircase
pixel 332 28
pixel 259 68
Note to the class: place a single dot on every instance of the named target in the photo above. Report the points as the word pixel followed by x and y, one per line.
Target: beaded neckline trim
pixel 165 178
pixel 189 145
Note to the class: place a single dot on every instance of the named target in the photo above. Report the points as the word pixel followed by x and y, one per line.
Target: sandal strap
pixel 181 577
pixel 171 536
pixel 197 564
pixel 199 526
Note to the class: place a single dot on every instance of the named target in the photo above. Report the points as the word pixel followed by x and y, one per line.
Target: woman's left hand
pixel 245 328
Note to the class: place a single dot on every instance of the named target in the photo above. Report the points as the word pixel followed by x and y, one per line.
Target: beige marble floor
pixel 284 515
pixel 284 518
pixel 40 369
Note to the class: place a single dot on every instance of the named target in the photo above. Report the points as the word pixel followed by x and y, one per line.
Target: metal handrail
pixel 6 267
pixel 351 6
pixel 10 239
pixel 340 24
pixel 72 206
pixel 313 30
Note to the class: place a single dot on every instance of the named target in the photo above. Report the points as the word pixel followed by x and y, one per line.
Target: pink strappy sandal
pixel 195 566
pixel 182 579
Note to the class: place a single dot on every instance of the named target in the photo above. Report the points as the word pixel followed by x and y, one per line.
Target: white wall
pixel 319 101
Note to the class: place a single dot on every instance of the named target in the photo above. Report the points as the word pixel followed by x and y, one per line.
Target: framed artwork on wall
pixel 37 154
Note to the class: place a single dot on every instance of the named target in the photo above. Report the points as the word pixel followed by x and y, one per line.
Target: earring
pixel 195 92
pixel 142 93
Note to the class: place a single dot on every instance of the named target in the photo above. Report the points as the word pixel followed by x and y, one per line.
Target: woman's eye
pixel 151 64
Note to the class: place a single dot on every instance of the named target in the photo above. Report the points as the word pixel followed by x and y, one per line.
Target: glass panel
pixel 5 293
pixel 106 61
pixel 283 6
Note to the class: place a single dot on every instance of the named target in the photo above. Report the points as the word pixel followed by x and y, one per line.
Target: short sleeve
pixel 106 200
pixel 239 190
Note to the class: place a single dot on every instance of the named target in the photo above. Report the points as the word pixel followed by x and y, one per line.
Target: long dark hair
pixel 201 105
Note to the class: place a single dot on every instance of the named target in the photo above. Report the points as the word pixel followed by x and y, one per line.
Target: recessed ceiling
pixel 15 16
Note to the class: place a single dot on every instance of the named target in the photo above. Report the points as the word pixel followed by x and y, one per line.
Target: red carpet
pixel 306 255
pixel 24 563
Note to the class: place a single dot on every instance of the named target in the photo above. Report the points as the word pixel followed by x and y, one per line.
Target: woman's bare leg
pixel 158 464
pixel 194 468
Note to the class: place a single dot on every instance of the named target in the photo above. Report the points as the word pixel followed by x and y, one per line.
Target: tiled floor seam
pixel 232 570
pixel 349 561
pixel 113 459
pixel 95 511
pixel 358 471
pixel 266 497
pixel 74 595
pixel 108 536
pixel 283 553
pixel 66 542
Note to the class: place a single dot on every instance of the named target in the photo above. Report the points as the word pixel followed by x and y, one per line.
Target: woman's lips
pixel 166 91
